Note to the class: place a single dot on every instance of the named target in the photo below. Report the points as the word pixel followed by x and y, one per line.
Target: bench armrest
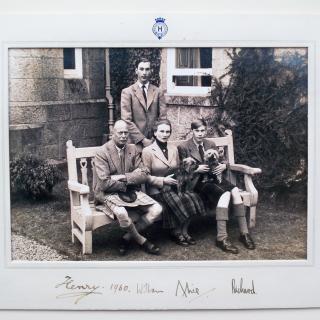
pixel 78 187
pixel 244 169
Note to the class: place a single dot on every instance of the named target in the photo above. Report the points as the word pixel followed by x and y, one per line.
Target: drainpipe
pixel 110 104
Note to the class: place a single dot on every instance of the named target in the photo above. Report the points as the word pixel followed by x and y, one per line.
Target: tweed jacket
pixel 158 165
pixel 140 116
pixel 107 163
pixel 189 149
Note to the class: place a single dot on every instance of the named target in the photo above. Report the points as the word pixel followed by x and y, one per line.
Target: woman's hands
pixel 168 180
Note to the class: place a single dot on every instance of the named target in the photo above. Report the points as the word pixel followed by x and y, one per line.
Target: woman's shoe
pixel 179 239
pixel 189 239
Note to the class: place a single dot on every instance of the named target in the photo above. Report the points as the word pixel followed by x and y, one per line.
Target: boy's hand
pixel 203 168
pixel 219 168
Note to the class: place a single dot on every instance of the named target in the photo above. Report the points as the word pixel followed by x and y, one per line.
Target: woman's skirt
pixel 177 208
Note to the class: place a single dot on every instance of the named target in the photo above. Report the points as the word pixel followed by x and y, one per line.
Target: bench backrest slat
pixel 83 153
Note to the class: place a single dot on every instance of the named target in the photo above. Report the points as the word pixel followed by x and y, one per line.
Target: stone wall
pixel 46 110
pixel 183 110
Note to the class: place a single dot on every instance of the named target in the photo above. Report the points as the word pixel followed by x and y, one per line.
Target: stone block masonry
pixel 46 110
pixel 181 111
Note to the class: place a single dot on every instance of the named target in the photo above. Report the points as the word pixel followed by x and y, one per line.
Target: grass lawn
pixel 280 232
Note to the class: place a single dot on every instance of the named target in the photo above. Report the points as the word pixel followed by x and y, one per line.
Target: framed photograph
pixel 239 231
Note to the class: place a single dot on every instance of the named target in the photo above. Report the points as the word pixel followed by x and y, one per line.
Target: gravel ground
pixel 280 234
pixel 26 249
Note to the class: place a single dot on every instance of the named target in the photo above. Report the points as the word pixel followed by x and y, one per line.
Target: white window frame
pixel 172 89
pixel 77 72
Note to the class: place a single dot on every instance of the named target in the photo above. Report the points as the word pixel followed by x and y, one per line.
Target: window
pixel 189 70
pixel 72 63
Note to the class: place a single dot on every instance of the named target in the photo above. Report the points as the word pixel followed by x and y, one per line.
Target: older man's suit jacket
pixel 140 116
pixel 107 163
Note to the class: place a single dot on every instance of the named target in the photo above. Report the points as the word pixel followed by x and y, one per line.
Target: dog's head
pixel 211 157
pixel 211 154
pixel 189 164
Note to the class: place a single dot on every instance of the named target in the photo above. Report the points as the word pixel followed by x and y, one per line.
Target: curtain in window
pixel 187 58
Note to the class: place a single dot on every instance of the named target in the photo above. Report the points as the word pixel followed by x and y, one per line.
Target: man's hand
pixel 146 142
pixel 168 180
pixel 119 177
pixel 219 168
pixel 203 168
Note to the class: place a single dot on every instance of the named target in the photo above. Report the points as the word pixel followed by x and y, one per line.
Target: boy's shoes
pixel 247 241
pixel 227 246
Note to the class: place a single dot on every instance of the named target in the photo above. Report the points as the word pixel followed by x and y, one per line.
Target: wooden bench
pixel 85 218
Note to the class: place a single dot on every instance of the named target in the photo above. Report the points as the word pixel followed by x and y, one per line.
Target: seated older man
pixel 120 172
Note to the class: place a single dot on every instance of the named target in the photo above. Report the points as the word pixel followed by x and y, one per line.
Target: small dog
pixel 211 158
pixel 185 175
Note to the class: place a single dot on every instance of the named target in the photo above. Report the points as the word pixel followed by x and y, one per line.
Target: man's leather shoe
pixel 247 241
pixel 180 240
pixel 189 239
pixel 227 246
pixel 124 247
pixel 150 248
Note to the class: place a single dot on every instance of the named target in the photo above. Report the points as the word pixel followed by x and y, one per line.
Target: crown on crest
pixel 160 19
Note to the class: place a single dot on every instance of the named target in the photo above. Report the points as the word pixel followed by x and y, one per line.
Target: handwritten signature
pixel 78 291
pixel 187 290
pixel 146 288
pixel 238 288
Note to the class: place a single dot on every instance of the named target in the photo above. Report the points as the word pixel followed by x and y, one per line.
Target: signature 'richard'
pixel 239 288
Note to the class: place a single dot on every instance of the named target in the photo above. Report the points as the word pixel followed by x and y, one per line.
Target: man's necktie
pixel 201 151
pixel 121 156
pixel 144 93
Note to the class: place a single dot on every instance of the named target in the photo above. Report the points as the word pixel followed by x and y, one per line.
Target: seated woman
pixel 218 192
pixel 162 159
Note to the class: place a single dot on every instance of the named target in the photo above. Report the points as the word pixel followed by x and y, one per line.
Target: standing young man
pixel 141 105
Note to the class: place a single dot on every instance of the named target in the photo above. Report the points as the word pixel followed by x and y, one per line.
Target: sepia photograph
pixel 159 160
pixel 158 153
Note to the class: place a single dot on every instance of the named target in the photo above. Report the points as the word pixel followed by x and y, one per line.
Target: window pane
pixel 69 61
pixel 205 58
pixel 192 81
pixel 193 58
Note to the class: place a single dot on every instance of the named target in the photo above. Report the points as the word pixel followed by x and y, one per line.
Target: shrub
pixel 32 176
pixel 267 100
